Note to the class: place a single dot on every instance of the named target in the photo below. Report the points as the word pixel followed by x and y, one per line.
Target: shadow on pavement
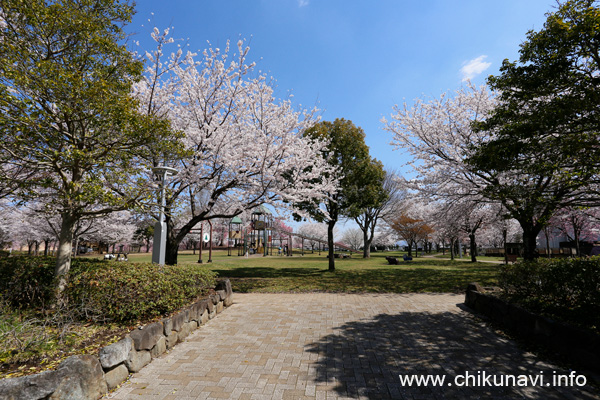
pixel 364 359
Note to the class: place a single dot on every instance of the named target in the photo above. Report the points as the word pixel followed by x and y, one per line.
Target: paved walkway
pixel 338 346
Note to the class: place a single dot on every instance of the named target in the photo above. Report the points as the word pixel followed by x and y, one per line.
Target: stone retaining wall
pixel 579 346
pixel 88 377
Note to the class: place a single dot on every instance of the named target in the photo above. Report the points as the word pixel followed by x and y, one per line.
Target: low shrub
pixel 104 290
pixel 567 289
pixel 124 292
pixel 26 281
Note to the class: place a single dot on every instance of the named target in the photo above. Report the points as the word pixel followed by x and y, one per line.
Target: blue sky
pixel 356 59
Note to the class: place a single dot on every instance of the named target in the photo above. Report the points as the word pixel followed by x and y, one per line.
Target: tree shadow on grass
pixel 380 280
pixel 364 359
pixel 269 272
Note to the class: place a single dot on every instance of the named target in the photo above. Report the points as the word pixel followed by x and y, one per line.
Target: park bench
pixel 511 258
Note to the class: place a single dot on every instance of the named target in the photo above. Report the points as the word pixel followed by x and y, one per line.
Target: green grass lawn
pixel 310 273
pixel 468 258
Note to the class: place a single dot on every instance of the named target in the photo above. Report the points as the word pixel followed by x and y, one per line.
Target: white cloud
pixel 302 3
pixel 474 67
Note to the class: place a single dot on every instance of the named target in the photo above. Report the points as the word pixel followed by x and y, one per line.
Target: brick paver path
pixel 335 346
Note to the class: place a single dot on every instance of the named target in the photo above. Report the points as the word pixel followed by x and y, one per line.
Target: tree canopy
pixel 68 119
pixel 347 152
pixel 545 151
pixel 243 146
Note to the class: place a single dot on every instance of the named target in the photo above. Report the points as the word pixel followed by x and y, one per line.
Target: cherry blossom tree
pixel 353 238
pixel 29 225
pixel 281 230
pixel 544 156
pixel 438 136
pixel 384 238
pixel 5 224
pixel 468 217
pixel 576 225
pixel 242 146
pixel 112 229
pixel 316 231
pixel 390 195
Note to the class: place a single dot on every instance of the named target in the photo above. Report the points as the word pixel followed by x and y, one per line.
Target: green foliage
pixel 544 154
pixel 26 282
pixel 547 117
pixel 103 290
pixel 66 85
pixel 124 293
pixel 74 138
pixel 568 288
pixel 349 154
pixel 367 188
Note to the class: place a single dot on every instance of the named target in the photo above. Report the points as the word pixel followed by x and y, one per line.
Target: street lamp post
pixel 160 229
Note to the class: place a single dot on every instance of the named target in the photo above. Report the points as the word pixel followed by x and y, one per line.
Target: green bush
pixel 26 281
pixel 104 290
pixel 124 292
pixel 567 289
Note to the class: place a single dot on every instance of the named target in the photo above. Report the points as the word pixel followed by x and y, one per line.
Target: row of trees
pixel 84 122
pixel 85 119
pixel 528 145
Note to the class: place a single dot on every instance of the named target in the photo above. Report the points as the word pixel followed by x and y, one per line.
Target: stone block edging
pixel 89 377
pixel 578 345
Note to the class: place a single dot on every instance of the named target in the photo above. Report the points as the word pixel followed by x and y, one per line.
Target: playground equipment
pixel 259 236
pixel 235 235
pixel 261 230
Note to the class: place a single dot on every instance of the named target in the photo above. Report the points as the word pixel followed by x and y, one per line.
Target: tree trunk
pixel 473 247
pixel 530 233
pixel 65 248
pixel 366 244
pixel 330 226
pixel 576 234
pixel 452 249
pixel 171 251
pixel 76 246
pixel 547 242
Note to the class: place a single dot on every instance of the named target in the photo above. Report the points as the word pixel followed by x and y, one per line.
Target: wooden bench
pixel 511 258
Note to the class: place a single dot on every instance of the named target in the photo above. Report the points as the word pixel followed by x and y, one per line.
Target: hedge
pixel 105 290
pixel 567 288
